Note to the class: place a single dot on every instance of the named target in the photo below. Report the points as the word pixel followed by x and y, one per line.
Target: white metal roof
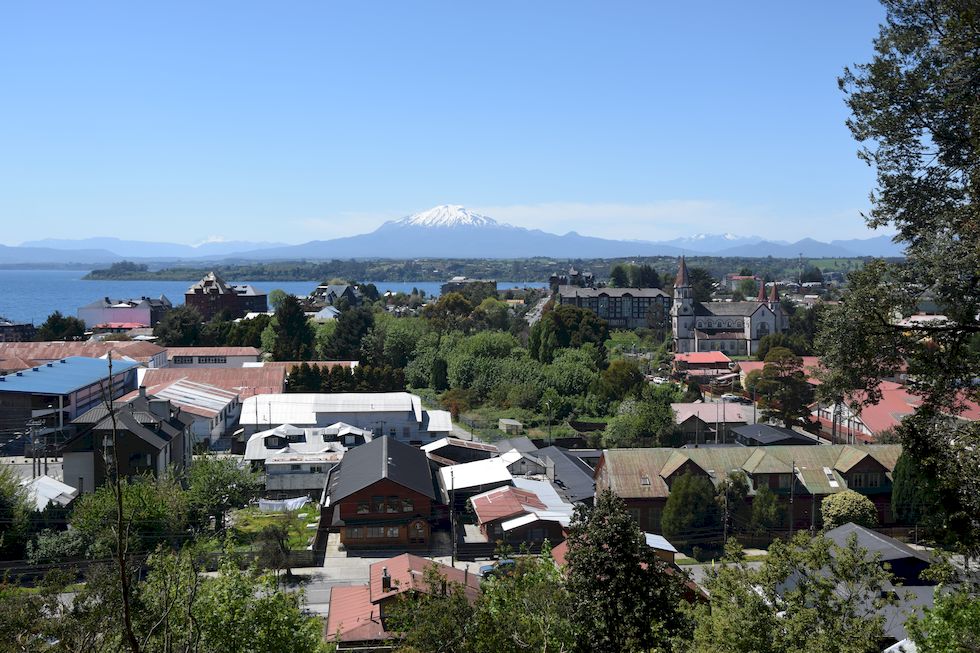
pixel 255 448
pixel 44 490
pixel 302 408
pixel 659 542
pixel 475 474
pixel 556 508
pixel 440 421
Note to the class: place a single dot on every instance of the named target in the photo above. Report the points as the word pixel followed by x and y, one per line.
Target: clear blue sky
pixel 290 121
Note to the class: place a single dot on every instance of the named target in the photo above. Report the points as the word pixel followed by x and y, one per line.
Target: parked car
pixel 503 567
pixel 659 380
pixel 728 396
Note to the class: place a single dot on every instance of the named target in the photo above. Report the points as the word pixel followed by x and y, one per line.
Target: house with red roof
pixel 357 617
pixel 851 422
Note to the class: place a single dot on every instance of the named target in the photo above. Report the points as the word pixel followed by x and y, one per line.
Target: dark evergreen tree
pixel 691 513
pixel 60 327
pixel 623 598
pixel 294 335
pixel 180 327
pixel 352 326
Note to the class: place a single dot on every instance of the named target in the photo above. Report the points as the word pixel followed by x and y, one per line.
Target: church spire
pixel 683 279
pixel 773 294
pixel 762 291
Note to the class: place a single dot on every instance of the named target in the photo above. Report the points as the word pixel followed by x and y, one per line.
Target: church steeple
pixel 683 279
pixel 773 294
pixel 761 298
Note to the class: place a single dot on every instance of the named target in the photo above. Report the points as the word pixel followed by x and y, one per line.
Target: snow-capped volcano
pixel 447 215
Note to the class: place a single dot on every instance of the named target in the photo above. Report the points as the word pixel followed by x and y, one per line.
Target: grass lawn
pixel 249 522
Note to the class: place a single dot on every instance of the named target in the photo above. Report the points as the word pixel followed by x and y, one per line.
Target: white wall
pixel 79 464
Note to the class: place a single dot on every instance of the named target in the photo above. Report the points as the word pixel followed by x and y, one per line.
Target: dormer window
pixel 644 479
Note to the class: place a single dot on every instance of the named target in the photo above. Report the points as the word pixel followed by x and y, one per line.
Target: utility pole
pixel 452 512
pixel 792 492
pixel 725 525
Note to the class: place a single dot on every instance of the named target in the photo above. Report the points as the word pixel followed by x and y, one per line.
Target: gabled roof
pixel 212 351
pixel 873 542
pixel 849 457
pixel 725 412
pixel 735 309
pixel 53 351
pixel 703 358
pixel 436 445
pixel 45 490
pixel 383 458
pixel 303 407
pixel 674 462
pixel 504 502
pixel 573 478
pixel 767 434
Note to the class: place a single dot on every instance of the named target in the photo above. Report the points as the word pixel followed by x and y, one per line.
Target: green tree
pixel 528 609
pixel 294 335
pixel 749 288
pixel 914 110
pixel 788 394
pixel 767 512
pixel 779 340
pixel 448 313
pixel 622 598
pixel 731 499
pixel 155 511
pixel 619 276
pixel 691 512
pixel 621 378
pixel 563 327
pixel 491 314
pixel 276 297
pixel 216 485
pixel 179 327
pixel 644 276
pixel 848 506
pixel 640 423
pixel 439 376
pixel 352 325
pixel 60 327
pixel 15 513
pixel 951 625
pixel 702 283
pixel 914 499
pixel 438 619
pixel 794 603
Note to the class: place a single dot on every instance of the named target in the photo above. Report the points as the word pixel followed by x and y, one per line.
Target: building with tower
pixel 734 328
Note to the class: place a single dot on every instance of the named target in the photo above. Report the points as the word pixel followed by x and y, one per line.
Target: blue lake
pixel 32 295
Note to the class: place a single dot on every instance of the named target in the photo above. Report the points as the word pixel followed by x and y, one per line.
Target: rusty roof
pixel 243 381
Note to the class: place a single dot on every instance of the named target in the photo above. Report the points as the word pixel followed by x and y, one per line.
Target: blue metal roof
pixel 63 376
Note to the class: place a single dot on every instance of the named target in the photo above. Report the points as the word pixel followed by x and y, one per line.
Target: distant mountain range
pixel 447 231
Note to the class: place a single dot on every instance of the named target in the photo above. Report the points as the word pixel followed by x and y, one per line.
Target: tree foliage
pixel 622 597
pixel 793 602
pixel 563 327
pixel 914 110
pixel 294 335
pixel 60 327
pixel 691 512
pixel 180 327
pixel 784 385
pixel 216 485
pixel 848 506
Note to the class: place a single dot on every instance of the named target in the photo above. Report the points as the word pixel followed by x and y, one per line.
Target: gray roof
pixel 382 458
pixel 573 478
pixel 874 542
pixel 576 291
pixel 766 434
pixel 521 443
pixel 739 309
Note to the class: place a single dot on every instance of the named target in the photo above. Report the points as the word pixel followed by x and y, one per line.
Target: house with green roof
pixel 805 473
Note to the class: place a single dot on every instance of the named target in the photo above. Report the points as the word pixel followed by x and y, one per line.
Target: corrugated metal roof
pixel 64 376
pixel 212 351
pixel 52 351
pixel 302 408
pixel 475 474
pixel 383 458
pixel 634 473
pixel 243 381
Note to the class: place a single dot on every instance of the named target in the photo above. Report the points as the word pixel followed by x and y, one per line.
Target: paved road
pixel 534 314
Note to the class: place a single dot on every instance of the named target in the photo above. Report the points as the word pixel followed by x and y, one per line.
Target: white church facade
pixel 734 328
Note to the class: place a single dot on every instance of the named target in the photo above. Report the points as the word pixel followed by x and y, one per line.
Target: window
pixel 392 431
pixel 316 469
pixel 393 532
pixel 295 468
pixel 355 532
pixel 374 532
pixel 406 432
pixel 183 360
pixel 865 480
pixel 408 505
pixel 212 360
pixel 363 508
pixel 393 504
pixel 377 504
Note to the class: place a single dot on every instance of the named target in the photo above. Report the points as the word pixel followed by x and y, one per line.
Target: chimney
pixel 466 575
pixel 385 580
pixel 143 391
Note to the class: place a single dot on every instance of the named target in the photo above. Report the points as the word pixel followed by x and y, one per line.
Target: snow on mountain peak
pixel 447 215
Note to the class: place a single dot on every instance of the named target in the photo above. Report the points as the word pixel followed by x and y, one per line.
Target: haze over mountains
pixel 447 231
